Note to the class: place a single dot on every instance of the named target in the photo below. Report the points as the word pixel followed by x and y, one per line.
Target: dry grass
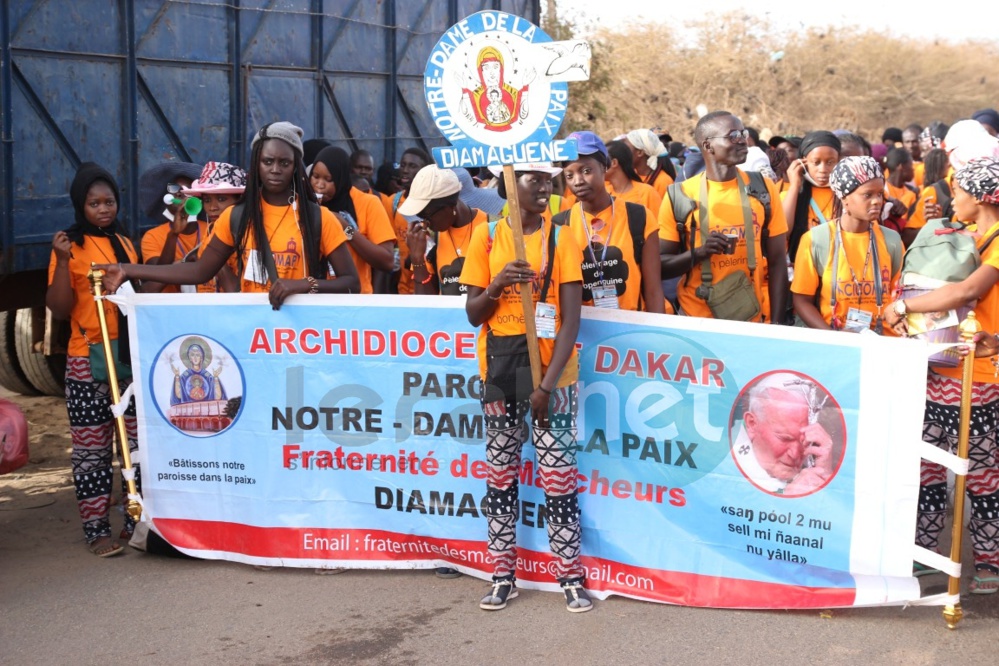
pixel 835 78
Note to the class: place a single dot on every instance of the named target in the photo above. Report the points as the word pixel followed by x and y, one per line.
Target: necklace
pixel 459 247
pixel 867 259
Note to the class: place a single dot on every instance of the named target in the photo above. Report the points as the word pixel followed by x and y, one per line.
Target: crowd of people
pixel 808 231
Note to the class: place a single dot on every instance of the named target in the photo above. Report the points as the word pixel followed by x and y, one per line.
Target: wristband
pixel 428 278
pixel 313 284
pixel 542 388
pixel 491 298
pixel 416 265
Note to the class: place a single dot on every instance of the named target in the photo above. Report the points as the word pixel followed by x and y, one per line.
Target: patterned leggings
pixel 92 429
pixel 506 432
pixel 940 426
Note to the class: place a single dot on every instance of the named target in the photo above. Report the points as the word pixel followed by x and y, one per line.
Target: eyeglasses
pixel 734 135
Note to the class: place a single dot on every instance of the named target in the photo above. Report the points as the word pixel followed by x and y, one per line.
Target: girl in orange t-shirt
pixel 277 207
pixel 808 201
pixel 496 280
pixel 976 200
pixel 93 237
pixel 858 274
pixel 370 236
pixel 613 277
pixel 445 218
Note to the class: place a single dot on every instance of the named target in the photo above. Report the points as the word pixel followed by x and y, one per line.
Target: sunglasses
pixel 733 136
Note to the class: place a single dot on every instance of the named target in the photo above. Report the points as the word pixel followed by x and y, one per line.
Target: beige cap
pixel 430 183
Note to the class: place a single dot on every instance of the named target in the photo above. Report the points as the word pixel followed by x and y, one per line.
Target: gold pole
pixel 952 613
pixel 134 508
pixel 526 300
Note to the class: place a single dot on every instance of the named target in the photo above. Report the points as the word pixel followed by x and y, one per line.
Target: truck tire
pixel 46 373
pixel 12 377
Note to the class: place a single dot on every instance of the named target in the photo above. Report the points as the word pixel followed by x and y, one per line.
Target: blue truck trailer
pixel 131 83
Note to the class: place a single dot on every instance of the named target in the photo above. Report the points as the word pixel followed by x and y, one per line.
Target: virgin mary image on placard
pixel 494 103
pixel 196 383
pixel 201 385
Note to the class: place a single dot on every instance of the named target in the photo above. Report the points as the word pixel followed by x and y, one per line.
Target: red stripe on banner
pixel 613 577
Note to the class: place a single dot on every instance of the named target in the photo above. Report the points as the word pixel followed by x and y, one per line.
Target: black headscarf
pixel 799 225
pixel 88 174
pixel 337 162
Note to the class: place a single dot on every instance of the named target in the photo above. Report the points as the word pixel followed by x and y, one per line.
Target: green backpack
pixel 941 252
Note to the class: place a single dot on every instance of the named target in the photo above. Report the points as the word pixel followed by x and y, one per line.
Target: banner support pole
pixel 526 299
pixel 133 507
pixel 952 613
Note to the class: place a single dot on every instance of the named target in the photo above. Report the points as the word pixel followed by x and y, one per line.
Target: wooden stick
pixel 526 300
pixel 952 612
pixel 133 507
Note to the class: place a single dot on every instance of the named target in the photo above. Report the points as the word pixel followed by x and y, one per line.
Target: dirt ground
pixel 60 605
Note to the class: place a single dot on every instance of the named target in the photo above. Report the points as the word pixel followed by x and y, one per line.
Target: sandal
pixel 984 585
pixel 105 546
pixel 576 598
pixel 503 589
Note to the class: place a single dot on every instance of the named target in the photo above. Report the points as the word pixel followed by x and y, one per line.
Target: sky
pixel 897 17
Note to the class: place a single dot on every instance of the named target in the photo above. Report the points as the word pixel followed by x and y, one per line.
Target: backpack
pixel 820 248
pixel 684 207
pixel 941 252
pixel 263 245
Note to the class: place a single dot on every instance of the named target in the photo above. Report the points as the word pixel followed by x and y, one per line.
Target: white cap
pixel 430 183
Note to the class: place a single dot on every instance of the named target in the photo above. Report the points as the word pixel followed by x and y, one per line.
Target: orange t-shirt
pixel 640 193
pixel 725 216
pixel 903 194
pixel 285 238
pixel 154 240
pixel 987 314
pixel 486 260
pixel 449 255
pixel 853 255
pixel 660 184
pixel 84 313
pixel 918 218
pixel 400 225
pixel 373 224
pixel 824 199
pixel 609 229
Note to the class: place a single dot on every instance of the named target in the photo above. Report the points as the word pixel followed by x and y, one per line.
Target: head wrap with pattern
pixel 851 173
pixel 980 179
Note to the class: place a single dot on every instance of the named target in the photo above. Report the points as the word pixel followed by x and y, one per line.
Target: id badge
pixel 857 320
pixel 253 271
pixel 544 320
pixel 605 296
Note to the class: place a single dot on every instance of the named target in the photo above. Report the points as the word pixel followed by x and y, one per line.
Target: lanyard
pixel 872 251
pixel 818 213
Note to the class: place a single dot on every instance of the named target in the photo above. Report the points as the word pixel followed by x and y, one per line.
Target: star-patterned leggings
pixel 506 432
pixel 92 429
pixel 940 426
